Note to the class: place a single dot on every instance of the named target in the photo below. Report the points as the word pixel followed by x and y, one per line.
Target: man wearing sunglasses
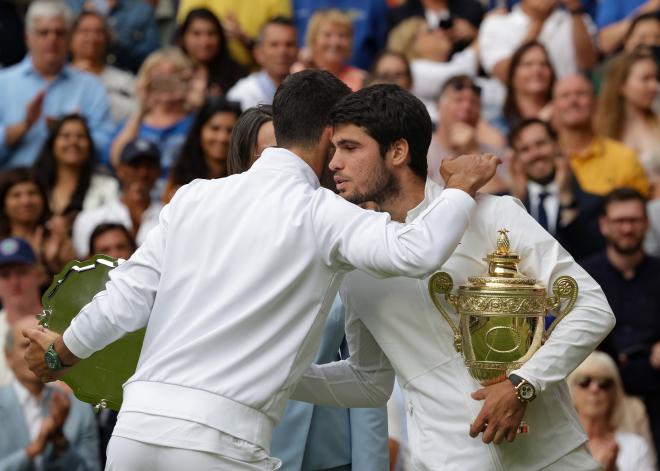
pixel 631 281
pixel 392 327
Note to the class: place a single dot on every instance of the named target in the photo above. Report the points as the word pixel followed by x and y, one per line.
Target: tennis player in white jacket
pixel 393 327
pixel 234 285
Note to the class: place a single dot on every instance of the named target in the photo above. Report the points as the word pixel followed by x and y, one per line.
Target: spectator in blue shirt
pixel 134 26
pixel 42 88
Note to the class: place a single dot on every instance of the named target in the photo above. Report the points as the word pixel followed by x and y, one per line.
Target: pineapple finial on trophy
pixel 503 243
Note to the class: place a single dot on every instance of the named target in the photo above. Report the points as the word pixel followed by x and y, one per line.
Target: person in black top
pixel 631 281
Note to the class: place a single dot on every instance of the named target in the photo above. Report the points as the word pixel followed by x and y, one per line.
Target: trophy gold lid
pixel 502 267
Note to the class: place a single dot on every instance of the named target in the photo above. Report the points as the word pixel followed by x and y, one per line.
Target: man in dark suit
pixel 543 181
pixel 630 279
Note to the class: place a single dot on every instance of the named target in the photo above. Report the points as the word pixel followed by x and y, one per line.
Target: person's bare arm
pixel 501 68
pixel 585 49
pixel 127 134
pixel 611 36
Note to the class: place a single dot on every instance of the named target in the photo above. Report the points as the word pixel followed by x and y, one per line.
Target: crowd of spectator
pixel 109 106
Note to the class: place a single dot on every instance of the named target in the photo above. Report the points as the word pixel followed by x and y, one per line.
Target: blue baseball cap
pixel 139 148
pixel 16 250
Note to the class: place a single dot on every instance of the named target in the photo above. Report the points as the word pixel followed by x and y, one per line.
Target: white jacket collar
pixel 284 160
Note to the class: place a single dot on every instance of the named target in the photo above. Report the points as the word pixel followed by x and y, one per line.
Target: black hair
pixel 107 227
pixel 460 82
pixel 388 113
pixel 224 71
pixel 244 138
pixel 651 15
pixel 623 194
pixel 45 167
pixel 527 122
pixel 9 179
pixel 191 164
pixel 302 104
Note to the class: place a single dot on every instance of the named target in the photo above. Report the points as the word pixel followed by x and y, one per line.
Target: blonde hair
pixel 602 365
pixel 611 114
pixel 402 38
pixel 333 16
pixel 169 54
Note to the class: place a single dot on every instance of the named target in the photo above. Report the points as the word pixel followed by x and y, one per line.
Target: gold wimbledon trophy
pixel 502 313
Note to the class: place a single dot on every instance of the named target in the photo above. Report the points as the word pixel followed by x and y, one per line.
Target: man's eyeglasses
pixel 602 383
pixel 631 221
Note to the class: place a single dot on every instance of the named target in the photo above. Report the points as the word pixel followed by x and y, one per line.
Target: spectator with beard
pixel 630 279
pixel 543 181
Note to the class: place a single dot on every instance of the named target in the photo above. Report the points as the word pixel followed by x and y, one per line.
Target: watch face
pixel 527 391
pixel 52 361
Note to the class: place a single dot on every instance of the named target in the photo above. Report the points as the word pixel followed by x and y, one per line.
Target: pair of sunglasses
pixel 602 383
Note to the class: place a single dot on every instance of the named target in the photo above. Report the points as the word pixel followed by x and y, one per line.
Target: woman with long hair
pixel 202 38
pixel 605 413
pixel 625 110
pixel 252 134
pixel 66 166
pixel 529 86
pixel 24 213
pixel 204 153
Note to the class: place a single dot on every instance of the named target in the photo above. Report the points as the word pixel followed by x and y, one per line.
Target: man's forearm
pixel 585 50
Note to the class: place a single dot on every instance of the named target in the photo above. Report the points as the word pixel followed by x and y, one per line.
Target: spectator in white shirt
pixel 138 172
pixel 598 396
pixel 566 33
pixel 276 50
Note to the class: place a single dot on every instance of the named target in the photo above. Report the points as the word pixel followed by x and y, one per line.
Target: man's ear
pixel 399 152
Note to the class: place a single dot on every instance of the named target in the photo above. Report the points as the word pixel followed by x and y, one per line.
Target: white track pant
pixel 578 460
pixel 130 455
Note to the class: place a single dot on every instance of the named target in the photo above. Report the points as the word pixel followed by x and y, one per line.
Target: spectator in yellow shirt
pixel 600 164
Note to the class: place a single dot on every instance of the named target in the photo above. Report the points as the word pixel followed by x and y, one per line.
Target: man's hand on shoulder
pixel 500 415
